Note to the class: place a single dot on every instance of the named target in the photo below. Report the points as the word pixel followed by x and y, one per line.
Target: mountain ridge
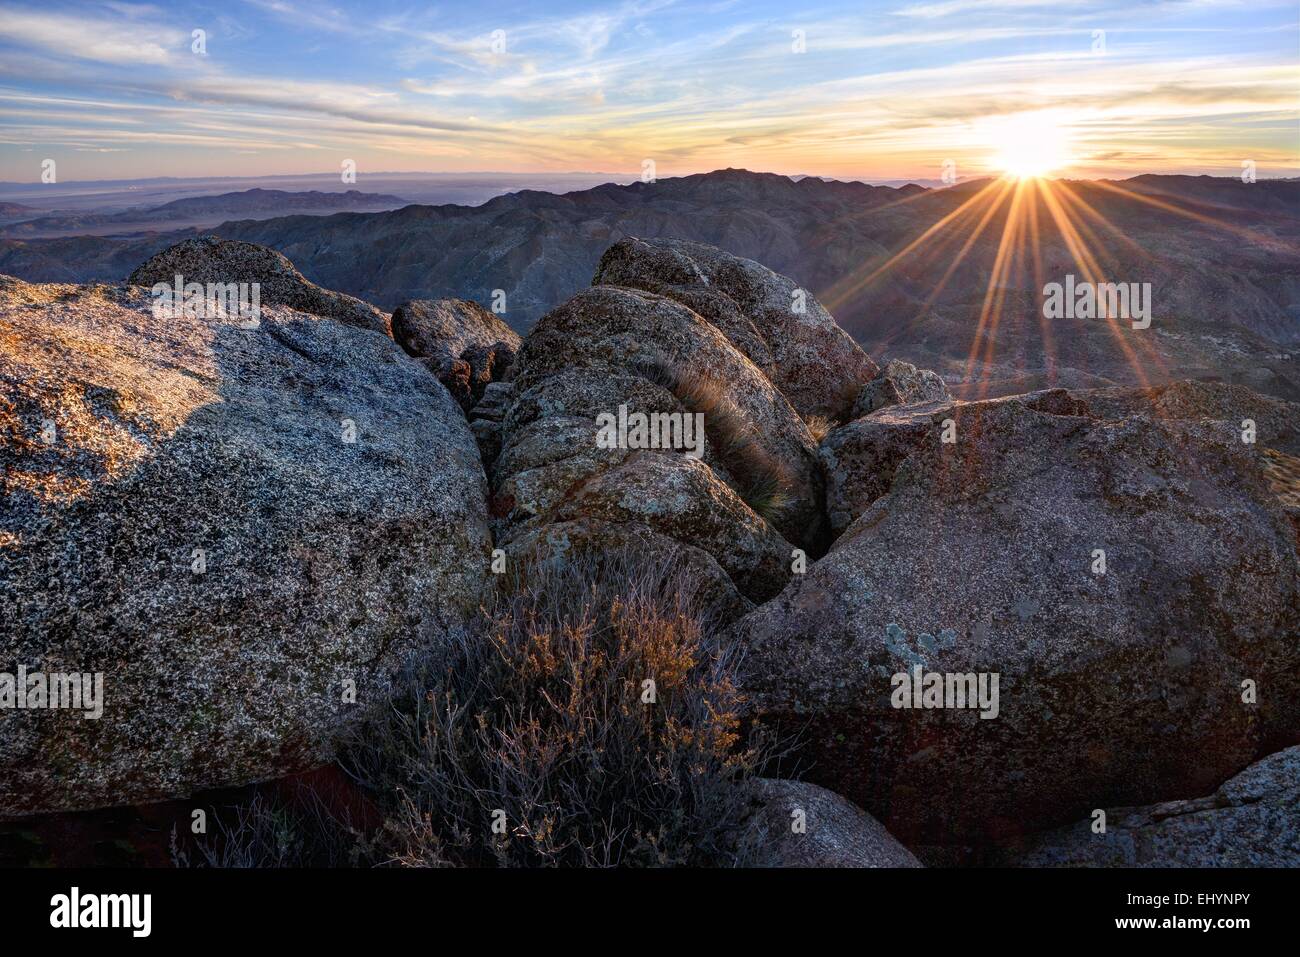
pixel 906 270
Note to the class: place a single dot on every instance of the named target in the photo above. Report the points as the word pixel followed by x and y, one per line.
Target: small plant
pixel 274 831
pixel 763 483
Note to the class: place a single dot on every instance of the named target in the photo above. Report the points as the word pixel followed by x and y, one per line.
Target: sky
pixel 870 90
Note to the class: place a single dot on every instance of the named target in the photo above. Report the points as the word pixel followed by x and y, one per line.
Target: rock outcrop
pixel 899 383
pixel 746 495
pixel 1252 820
pixel 485 418
pixel 212 260
pixel 776 324
pixel 859 459
pixel 242 529
pixel 1131 581
pixel 462 343
pixel 801 825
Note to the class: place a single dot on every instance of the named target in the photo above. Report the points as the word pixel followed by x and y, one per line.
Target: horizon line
pixel 634 176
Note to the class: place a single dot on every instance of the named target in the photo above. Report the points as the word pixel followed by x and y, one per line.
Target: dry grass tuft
pixel 764 484
pixel 819 426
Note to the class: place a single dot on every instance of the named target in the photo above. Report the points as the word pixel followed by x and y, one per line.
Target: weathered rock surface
pixel 1252 820
pixel 836 833
pixel 184 511
pixel 681 497
pixel 899 383
pixel 778 326
pixel 860 458
pixel 980 557
pixel 209 259
pixel 486 415
pixel 465 345
pixel 1276 421
pixel 610 347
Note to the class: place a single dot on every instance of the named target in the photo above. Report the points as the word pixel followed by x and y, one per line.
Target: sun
pixel 1029 145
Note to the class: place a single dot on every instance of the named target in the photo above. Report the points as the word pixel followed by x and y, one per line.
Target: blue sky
pixel 875 90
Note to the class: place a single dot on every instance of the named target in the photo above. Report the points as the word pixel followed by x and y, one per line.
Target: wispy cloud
pixel 885 90
pixel 87 38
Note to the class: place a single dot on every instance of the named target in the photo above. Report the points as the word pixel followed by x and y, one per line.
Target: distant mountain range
pixel 257 203
pixel 16 211
pixel 907 271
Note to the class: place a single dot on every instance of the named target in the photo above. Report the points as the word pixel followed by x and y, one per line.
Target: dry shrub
pixel 539 713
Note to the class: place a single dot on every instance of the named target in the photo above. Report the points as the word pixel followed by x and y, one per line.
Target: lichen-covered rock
pixel 802 825
pixel 899 383
pixel 680 497
pixel 778 326
pixel 212 260
pixel 1252 820
pixel 465 345
pixel 1276 422
pixel 236 526
pixel 859 459
pixel 1132 582
pixel 609 348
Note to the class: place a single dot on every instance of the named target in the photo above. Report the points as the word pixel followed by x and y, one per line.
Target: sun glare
pixel 1029 145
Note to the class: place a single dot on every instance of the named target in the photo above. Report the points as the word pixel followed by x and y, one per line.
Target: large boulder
pixel 754 490
pixel 777 325
pixel 797 824
pixel 1252 820
pixel 681 497
pixel 466 346
pixel 984 557
pixel 212 260
pixel 859 459
pixel 243 529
